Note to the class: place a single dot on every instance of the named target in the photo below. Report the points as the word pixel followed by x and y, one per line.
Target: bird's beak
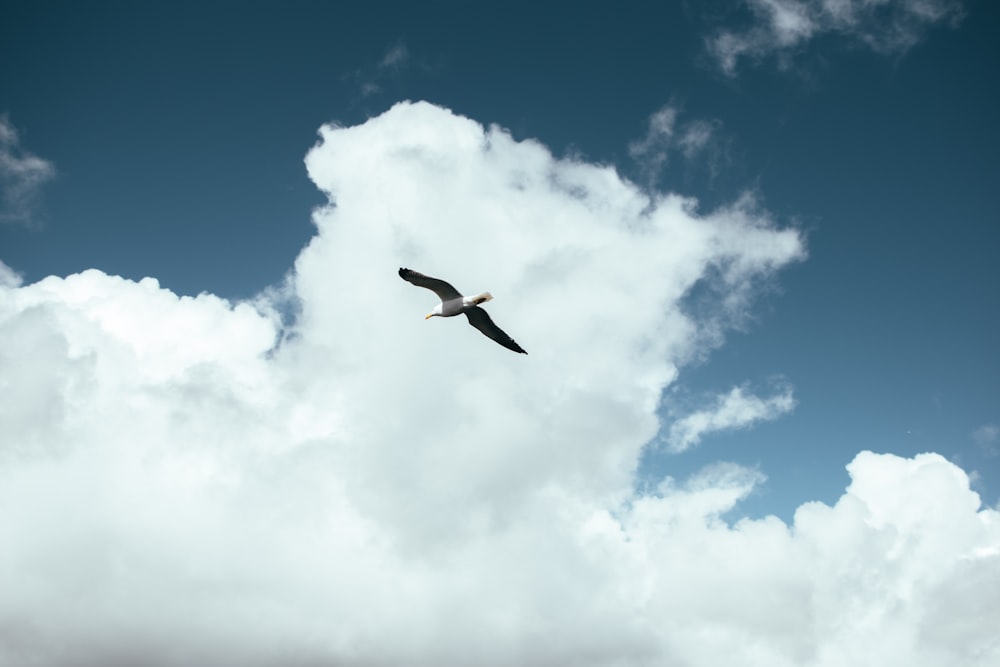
pixel 427 317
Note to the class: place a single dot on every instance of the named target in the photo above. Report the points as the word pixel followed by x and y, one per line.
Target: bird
pixel 453 303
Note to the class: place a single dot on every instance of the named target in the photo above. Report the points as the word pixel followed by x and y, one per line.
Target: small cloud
pixel 22 176
pixel 9 277
pixel 696 137
pixel 665 134
pixel 780 26
pixel 731 411
pixel 371 78
pixel 395 57
pixel 652 150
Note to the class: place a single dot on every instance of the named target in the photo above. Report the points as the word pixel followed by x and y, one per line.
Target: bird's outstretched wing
pixel 444 290
pixel 480 319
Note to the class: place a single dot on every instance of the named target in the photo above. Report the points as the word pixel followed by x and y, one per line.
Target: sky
pixel 749 245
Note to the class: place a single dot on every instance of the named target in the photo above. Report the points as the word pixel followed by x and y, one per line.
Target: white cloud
pixel 885 26
pixel 731 411
pixel 379 489
pixel 9 277
pixel 22 176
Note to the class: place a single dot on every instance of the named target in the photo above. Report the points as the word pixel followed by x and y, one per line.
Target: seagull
pixel 453 303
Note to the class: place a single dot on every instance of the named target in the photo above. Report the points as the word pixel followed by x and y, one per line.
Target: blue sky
pixel 168 140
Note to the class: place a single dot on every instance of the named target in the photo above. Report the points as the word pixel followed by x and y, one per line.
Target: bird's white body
pixel 453 307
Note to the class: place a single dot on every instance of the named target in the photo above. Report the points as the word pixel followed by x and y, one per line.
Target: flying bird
pixel 453 303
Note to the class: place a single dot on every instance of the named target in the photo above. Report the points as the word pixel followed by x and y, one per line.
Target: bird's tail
pixel 482 298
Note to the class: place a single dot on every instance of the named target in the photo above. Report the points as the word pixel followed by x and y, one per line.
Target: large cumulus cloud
pixel 190 481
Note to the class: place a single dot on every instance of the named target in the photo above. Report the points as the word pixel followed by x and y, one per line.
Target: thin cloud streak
pixel 783 26
pixel 735 410
pixel 22 176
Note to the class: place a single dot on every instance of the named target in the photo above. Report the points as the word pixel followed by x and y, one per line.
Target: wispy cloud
pixel 781 26
pixel 371 78
pixel 696 136
pixel 653 149
pixel 395 57
pixel 22 176
pixel 734 410
pixel 668 134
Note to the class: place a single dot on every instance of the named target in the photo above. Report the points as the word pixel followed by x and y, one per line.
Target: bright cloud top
pixel 885 26
pixel 22 176
pixel 178 487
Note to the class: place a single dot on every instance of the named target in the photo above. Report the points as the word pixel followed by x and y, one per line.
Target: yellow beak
pixel 429 316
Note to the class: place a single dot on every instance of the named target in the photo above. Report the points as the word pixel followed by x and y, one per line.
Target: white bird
pixel 453 303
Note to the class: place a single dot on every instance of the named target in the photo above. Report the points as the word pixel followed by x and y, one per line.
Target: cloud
pixel 781 26
pixel 695 137
pixel 371 79
pixel 735 410
pixel 666 135
pixel 654 147
pixel 22 176
pixel 395 57
pixel 9 277
pixel 189 481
